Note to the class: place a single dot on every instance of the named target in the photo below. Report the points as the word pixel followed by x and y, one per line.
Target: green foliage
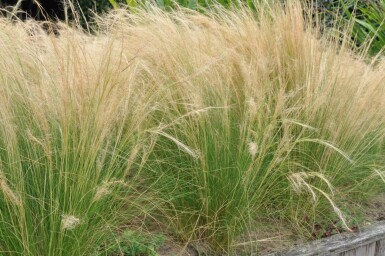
pixel 369 23
pixel 366 17
pixel 86 9
pixel 131 243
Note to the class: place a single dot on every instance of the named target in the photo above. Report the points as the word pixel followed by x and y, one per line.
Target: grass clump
pixel 68 140
pixel 257 118
pixel 217 121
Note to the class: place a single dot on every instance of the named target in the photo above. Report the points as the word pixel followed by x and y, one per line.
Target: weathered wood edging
pixel 369 241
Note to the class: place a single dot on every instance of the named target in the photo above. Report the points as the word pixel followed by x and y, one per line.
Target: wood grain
pixel 370 241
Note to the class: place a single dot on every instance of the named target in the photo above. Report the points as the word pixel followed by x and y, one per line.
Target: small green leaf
pixel 132 3
pixel 113 3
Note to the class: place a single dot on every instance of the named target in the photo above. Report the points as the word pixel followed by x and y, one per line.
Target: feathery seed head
pixel 253 148
pixel 8 192
pixel 106 188
pixel 69 222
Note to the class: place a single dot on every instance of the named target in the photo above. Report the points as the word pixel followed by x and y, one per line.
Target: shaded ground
pixel 273 238
pixel 375 209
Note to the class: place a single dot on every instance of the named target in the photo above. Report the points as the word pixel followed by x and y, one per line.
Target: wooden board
pixel 370 241
pixel 380 248
pixel 366 250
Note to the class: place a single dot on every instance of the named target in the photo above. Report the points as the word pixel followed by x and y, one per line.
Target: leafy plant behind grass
pixel 368 23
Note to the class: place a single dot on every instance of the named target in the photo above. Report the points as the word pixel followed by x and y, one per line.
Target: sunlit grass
pixel 259 118
pixel 215 121
pixel 71 129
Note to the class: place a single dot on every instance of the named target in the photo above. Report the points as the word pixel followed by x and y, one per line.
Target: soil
pixel 375 209
pixel 170 248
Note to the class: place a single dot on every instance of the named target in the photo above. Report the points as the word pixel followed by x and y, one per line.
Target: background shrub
pixel 368 23
pixel 88 8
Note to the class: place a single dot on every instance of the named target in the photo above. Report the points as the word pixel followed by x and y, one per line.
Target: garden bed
pixel 229 133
